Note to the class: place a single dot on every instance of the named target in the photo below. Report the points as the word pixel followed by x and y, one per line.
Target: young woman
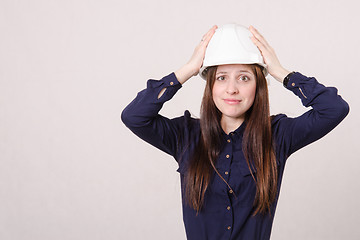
pixel 231 160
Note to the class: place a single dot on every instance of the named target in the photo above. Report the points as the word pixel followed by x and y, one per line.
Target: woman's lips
pixel 232 101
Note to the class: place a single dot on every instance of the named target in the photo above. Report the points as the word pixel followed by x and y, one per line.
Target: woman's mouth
pixel 232 101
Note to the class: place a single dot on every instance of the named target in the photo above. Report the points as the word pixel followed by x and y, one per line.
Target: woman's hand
pixel 192 67
pixel 271 60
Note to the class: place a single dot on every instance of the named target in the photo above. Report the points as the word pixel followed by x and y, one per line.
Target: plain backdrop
pixel 70 169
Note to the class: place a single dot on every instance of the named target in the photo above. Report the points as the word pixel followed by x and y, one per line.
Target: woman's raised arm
pixel 271 60
pixel 328 108
pixel 192 67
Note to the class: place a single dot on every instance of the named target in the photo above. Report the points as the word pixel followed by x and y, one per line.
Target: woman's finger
pixel 259 44
pixel 257 35
pixel 207 36
pixel 197 58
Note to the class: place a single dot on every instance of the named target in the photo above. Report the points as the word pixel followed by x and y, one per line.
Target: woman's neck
pixel 229 124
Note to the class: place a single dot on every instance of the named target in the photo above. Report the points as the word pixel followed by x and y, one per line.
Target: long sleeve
pixel 142 116
pixel 328 110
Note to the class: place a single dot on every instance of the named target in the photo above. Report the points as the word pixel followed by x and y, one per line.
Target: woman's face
pixel 234 90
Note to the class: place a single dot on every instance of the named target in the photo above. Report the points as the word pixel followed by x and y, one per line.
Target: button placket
pixel 230 222
pixel 228 155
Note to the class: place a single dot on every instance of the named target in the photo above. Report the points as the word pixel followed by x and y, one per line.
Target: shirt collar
pixel 238 132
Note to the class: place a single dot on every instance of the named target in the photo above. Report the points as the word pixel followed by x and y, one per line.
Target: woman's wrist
pixel 280 74
pixel 184 73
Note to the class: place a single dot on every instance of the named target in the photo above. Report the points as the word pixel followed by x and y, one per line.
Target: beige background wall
pixel 69 169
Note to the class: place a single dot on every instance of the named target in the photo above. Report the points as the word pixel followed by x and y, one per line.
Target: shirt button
pixel 230 191
pixel 228 227
pixel 226 173
pixel 228 140
pixel 171 83
pixel 227 156
pixel 228 208
pixel 293 84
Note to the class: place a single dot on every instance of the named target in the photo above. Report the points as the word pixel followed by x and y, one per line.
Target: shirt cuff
pixel 168 84
pixel 295 80
pixel 171 81
pixel 303 87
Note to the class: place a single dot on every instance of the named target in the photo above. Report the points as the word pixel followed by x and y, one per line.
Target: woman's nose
pixel 231 87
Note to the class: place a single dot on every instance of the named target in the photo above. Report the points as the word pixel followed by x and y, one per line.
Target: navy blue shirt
pixel 226 213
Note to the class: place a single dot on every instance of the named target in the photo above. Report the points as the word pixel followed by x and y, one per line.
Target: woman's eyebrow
pixel 221 73
pixel 246 71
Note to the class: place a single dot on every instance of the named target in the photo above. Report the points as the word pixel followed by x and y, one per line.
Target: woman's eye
pixel 244 78
pixel 221 78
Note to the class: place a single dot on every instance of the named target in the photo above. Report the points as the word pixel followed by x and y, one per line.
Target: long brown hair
pixel 257 147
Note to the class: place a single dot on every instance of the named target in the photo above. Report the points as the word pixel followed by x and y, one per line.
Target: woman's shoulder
pixel 187 121
pixel 187 117
pixel 279 123
pixel 188 136
pixel 275 119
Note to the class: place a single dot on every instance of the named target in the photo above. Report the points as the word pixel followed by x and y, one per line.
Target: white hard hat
pixel 231 44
